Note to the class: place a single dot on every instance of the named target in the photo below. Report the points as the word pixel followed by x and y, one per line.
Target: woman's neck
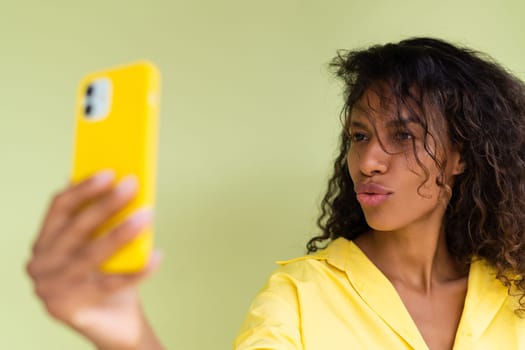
pixel 416 256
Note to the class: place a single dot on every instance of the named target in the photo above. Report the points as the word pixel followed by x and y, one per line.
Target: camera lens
pixel 89 90
pixel 88 109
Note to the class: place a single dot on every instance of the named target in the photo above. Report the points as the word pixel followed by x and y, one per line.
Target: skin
pixel 64 265
pixel 407 241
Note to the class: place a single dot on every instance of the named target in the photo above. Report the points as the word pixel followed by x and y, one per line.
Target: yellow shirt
pixel 338 299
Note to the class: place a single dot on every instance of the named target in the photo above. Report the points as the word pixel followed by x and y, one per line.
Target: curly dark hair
pixel 483 106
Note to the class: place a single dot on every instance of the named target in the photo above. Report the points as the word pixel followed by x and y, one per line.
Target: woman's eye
pixel 356 137
pixel 404 135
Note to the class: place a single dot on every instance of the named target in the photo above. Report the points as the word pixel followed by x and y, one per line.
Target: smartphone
pixel 116 127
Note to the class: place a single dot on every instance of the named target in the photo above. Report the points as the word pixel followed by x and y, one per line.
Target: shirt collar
pixel 485 294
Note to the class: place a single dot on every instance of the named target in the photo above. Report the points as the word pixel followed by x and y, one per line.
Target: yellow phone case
pixel 124 140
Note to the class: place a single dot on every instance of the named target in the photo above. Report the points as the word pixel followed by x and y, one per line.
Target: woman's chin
pixel 377 224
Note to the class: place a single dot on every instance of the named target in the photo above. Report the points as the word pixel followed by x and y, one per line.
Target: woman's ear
pixel 459 168
pixel 458 165
pixel 455 165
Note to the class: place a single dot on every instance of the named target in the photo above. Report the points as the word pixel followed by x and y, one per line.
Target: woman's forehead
pixel 373 108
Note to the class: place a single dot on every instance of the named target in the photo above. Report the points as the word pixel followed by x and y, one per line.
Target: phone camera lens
pixel 88 109
pixel 89 90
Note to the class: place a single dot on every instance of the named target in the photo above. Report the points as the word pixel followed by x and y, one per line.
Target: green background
pixel 248 133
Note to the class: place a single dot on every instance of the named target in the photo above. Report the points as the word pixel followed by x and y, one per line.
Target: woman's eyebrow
pixel 357 124
pixel 394 123
pixel 403 121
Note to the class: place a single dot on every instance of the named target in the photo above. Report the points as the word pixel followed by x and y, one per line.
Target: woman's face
pixel 394 176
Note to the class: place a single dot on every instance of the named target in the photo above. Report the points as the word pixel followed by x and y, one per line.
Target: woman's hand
pixel 65 263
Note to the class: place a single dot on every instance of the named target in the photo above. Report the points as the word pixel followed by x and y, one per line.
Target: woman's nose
pixel 374 158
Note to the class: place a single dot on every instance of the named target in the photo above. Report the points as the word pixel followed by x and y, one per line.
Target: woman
pixel 423 218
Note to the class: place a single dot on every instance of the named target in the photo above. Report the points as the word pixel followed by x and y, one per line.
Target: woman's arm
pixel 273 320
pixel 106 309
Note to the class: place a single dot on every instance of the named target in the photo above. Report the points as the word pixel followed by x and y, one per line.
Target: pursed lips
pixel 371 194
pixel 372 188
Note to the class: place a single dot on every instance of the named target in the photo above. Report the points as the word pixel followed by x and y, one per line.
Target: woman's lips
pixel 371 199
pixel 371 194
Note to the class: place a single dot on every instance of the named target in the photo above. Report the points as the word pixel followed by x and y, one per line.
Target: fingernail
pixel 140 217
pixel 156 256
pixel 155 259
pixel 127 185
pixel 104 176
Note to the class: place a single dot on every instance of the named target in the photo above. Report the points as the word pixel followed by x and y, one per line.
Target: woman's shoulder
pixel 333 259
